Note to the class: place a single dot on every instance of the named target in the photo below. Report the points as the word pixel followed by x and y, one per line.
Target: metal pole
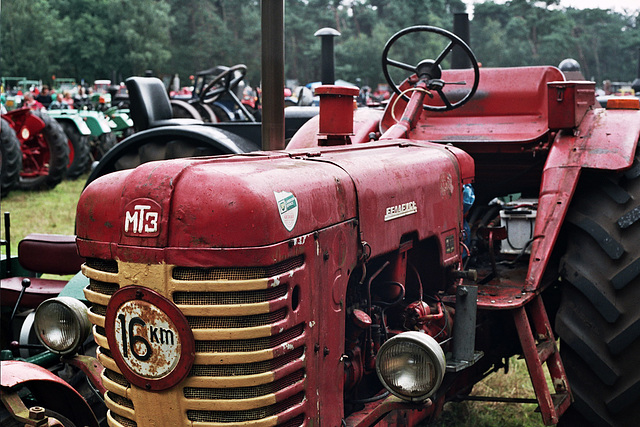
pixel 272 74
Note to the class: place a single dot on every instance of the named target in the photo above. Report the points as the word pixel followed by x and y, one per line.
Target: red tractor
pixel 382 264
pixel 44 147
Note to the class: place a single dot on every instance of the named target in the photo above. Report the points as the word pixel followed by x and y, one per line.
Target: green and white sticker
pixel 287 208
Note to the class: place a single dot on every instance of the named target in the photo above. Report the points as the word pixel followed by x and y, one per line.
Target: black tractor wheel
pixel 102 144
pixel 45 156
pixel 79 156
pixel 599 317
pixel 11 158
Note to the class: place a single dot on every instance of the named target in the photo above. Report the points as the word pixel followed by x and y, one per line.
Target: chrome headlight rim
pixel 72 315
pixel 425 344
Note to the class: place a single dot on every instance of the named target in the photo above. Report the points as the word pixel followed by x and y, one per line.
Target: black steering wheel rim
pixel 209 94
pixel 454 40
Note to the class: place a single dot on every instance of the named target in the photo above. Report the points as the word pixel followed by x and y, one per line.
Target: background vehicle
pixel 44 326
pixel 44 147
pixel 161 135
pixel 77 133
pixel 357 278
pixel 216 97
pixel 11 158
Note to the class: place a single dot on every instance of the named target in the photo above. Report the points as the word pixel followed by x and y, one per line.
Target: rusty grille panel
pixel 234 346
pixel 116 378
pixel 229 298
pixel 101 287
pixel 106 265
pixel 124 421
pixel 244 416
pixel 119 400
pixel 246 368
pixel 98 309
pixel 202 322
pixel 105 352
pixel 236 273
pixel 210 386
pixel 242 392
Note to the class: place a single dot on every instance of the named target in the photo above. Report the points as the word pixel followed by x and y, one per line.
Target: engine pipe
pixel 327 67
pixel 464 328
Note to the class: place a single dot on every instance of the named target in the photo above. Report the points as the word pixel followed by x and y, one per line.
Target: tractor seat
pixel 150 106
pixel 42 253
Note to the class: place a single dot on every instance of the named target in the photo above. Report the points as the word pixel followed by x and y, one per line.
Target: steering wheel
pixel 430 70
pixel 214 89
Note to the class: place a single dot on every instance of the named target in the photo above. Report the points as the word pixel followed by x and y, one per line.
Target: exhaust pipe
pixel 459 60
pixel 328 75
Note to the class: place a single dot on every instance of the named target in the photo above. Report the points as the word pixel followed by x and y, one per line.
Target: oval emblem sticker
pixel 149 338
pixel 288 208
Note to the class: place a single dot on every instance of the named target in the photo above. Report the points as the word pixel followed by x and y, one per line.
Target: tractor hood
pixel 266 198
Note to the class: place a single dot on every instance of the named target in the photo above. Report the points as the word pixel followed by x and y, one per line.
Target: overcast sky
pixel 618 5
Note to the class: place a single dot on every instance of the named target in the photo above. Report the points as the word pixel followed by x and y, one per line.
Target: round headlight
pixel 62 325
pixel 411 365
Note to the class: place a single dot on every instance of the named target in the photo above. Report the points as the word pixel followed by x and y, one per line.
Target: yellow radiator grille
pixel 235 346
pixel 202 322
pixel 246 368
pixel 228 298
pixel 106 265
pixel 252 303
pixel 100 287
pixel 126 422
pixel 242 392
pixel 119 400
pixel 244 416
pixel 236 273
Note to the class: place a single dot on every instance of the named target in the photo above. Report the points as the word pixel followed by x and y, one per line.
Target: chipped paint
pixel 312 324
pixel 276 282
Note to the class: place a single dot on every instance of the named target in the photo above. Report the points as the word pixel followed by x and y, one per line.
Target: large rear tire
pixel 10 158
pixel 599 317
pixel 46 166
pixel 79 156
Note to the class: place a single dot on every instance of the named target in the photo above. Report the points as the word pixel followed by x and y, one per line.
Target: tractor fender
pixel 97 122
pixel 72 117
pixel 606 139
pixel 25 123
pixel 121 120
pixel 220 140
pixel 50 391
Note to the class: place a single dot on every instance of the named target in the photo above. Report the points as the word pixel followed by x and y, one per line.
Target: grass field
pixel 54 212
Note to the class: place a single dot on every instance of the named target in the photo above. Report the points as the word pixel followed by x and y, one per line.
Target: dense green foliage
pixel 91 39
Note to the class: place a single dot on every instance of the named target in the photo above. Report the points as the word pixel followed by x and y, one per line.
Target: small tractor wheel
pixel 79 155
pixel 46 165
pixel 599 320
pixel 11 158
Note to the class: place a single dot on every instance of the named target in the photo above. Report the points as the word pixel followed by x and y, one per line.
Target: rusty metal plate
pixel 149 338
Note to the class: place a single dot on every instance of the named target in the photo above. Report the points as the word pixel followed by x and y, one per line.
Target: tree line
pixel 114 39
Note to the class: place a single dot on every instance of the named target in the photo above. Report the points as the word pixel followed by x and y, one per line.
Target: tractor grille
pixel 250 352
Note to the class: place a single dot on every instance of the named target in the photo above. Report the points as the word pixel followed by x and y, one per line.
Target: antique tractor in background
pixel 44 148
pixel 382 264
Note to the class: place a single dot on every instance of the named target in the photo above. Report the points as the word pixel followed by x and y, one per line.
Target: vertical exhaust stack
pixel 636 83
pixel 272 74
pixel 460 28
pixel 328 75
